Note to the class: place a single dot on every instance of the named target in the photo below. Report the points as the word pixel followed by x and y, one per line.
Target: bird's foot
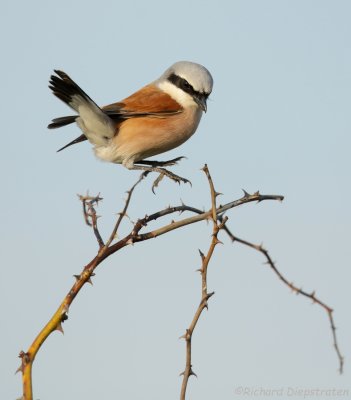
pixel 175 178
pixel 162 173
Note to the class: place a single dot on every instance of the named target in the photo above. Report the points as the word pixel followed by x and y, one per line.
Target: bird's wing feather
pixel 148 101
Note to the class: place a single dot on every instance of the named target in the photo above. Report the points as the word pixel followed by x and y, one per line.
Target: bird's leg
pixel 154 163
pixel 162 171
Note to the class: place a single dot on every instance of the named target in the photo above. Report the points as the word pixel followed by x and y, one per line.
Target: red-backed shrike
pixel 157 118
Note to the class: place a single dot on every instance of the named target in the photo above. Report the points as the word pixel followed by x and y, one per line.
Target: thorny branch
pixel 205 295
pixel 90 215
pixel 112 245
pixel 295 289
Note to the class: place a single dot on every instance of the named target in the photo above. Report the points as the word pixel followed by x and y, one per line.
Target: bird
pixel 155 119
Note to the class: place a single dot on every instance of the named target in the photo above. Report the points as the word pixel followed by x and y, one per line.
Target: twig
pixel 88 201
pixel 124 211
pixel 201 216
pixel 90 215
pixel 205 295
pixel 297 290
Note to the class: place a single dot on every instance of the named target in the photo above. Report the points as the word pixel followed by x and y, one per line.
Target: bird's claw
pixel 170 175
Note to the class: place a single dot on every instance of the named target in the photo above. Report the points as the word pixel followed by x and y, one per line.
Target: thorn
pixel 246 195
pixel 256 193
pixel 124 214
pixel 65 309
pixel 182 373
pixel 186 335
pixel 192 372
pixel 24 356
pixel 199 270
pixel 59 328
pixel 201 255
pixel 218 194
pixel 130 241
pixel 217 241
pixel 77 277
pixel 224 221
pixel 25 360
pixel 19 369
pixel 260 247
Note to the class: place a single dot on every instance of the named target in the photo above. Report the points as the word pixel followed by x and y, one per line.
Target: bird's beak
pixel 200 99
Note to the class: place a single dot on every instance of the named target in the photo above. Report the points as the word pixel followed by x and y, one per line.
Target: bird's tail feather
pixel 62 121
pixel 69 92
pixel 79 139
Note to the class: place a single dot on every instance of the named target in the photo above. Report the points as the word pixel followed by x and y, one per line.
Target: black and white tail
pixel 96 125
pixel 69 92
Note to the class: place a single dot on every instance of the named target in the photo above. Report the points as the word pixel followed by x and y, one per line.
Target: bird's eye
pixel 186 84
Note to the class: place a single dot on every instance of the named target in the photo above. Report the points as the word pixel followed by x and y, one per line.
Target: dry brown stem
pixel 90 215
pixel 295 289
pixel 205 295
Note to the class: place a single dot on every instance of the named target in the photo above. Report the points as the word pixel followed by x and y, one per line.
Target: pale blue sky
pixel 278 121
